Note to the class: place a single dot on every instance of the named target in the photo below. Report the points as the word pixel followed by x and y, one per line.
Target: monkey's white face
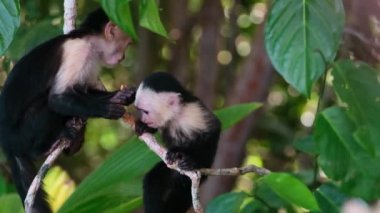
pixel 156 109
pixel 115 44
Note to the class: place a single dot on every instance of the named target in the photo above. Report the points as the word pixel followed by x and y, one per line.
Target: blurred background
pixel 216 49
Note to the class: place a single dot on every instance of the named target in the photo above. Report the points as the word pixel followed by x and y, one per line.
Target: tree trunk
pixel 252 85
pixel 211 16
pixel 181 27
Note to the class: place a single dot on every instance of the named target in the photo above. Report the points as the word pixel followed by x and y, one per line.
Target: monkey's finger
pixel 114 111
pixel 124 97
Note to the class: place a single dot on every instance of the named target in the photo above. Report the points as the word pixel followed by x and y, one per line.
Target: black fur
pixel 165 190
pixel 164 82
pixel 32 117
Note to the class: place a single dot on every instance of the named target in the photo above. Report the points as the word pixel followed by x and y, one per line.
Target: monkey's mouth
pixel 150 124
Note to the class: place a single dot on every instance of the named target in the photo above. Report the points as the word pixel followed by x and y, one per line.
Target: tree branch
pixel 32 191
pixel 70 13
pixel 194 175
pixel 62 143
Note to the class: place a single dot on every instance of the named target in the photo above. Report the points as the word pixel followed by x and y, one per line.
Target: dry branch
pixel 194 175
pixel 70 13
pixel 36 184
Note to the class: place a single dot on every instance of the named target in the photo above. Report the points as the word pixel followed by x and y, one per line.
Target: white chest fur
pixel 79 65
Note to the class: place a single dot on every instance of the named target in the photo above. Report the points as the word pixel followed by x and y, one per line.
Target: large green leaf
pixel 299 35
pixel 333 137
pixel 358 86
pixel 116 182
pixel 9 22
pixel 229 116
pixel 329 198
pixel 119 12
pixel 150 17
pixel 229 202
pixel 362 185
pixel 291 190
pixel 340 155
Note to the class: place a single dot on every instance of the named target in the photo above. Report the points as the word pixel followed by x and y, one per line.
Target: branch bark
pixel 70 13
pixel 194 175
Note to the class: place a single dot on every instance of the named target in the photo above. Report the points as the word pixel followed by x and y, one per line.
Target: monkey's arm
pixel 90 103
pixel 198 152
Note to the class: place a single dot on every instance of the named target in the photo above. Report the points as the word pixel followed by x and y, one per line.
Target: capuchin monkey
pixel 189 130
pixel 54 83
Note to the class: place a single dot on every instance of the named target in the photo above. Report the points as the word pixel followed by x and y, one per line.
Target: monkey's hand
pixel 75 129
pixel 141 128
pixel 113 111
pixel 124 96
pixel 74 132
pixel 183 160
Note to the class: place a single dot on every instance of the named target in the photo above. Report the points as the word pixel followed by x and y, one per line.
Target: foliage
pixel 301 37
pixel 11 203
pixel 120 12
pixel 9 22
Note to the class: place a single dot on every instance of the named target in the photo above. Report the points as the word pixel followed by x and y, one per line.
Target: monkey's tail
pixel 23 172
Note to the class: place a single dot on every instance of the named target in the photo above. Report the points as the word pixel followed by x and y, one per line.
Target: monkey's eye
pixel 143 111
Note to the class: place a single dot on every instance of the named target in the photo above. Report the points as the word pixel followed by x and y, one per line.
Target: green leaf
pixel 128 206
pixel 9 22
pixel 229 202
pixel 116 182
pixel 300 35
pixel 363 186
pixel 291 190
pixel 254 206
pixel 28 37
pixel 333 137
pixel 119 12
pixel 329 198
pixel 357 85
pixel 340 155
pixel 11 203
pixel 229 116
pixel 150 17
pixel 267 196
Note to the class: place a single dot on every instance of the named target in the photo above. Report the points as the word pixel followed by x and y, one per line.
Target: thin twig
pixel 62 143
pixel 194 175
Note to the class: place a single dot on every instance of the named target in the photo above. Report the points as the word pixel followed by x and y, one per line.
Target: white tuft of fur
pixel 79 65
pixel 190 119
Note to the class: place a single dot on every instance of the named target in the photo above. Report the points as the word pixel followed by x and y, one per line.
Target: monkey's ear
pixel 109 31
pixel 174 99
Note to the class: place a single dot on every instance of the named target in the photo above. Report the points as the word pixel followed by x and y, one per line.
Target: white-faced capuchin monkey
pixel 190 132
pixel 50 85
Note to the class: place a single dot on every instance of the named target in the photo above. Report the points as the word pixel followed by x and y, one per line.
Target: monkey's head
pixel 160 99
pixel 107 39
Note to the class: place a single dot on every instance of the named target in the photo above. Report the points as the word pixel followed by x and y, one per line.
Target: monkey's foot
pixel 183 160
